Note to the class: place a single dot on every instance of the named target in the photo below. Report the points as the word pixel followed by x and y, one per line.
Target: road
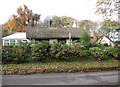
pixel 80 78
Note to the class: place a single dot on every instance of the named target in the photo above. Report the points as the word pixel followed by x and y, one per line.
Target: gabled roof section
pixel 51 32
pixel 106 37
pixel 17 35
pixel 109 39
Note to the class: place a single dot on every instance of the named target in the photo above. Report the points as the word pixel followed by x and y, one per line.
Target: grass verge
pixel 59 67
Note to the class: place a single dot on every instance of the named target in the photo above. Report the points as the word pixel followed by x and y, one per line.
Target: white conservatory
pixel 14 39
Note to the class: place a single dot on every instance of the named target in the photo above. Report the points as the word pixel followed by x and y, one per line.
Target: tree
pixel 46 21
pixel 108 8
pixel 85 37
pixel 64 21
pixel 37 17
pixel 56 21
pixel 108 26
pixel 71 21
pixel 87 25
pixel 18 23
pixel 67 21
pixel 28 15
pixel 23 18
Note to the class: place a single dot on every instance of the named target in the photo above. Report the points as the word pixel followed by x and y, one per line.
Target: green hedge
pixel 16 54
pixel 36 51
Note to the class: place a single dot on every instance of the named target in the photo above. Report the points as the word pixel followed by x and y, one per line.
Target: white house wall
pixel 106 40
pixel 115 36
pixel 16 36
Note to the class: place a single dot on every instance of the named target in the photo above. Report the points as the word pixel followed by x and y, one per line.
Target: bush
pixel 103 54
pixel 21 52
pixel 97 52
pixel 65 52
pixel 85 37
pixel 16 54
pixel 78 51
pixel 59 50
pixel 36 51
pixel 111 51
pixel 6 54
pixel 40 50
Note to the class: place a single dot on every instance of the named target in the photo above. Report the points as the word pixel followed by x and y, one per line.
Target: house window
pixel 12 42
pixel 18 41
pixel 24 41
pixel 6 42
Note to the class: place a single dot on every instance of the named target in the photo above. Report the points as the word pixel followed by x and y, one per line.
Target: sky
pixel 78 9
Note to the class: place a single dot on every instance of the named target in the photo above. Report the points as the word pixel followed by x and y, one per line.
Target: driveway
pixel 80 78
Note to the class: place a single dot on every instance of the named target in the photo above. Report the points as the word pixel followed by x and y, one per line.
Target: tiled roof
pixel 94 39
pixel 51 32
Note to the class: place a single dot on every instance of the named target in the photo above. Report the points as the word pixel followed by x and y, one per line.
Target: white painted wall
pixel 16 36
pixel 114 36
pixel 105 40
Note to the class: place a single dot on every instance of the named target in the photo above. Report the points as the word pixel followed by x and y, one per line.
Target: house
pixel 106 41
pixel 52 34
pixel 14 38
pixel 96 38
pixel 115 35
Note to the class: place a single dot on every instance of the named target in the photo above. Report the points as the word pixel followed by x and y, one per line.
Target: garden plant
pixel 66 58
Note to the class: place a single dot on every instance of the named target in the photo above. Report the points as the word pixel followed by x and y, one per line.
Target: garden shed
pixel 14 38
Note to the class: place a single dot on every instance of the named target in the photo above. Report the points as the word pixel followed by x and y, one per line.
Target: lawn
pixel 60 67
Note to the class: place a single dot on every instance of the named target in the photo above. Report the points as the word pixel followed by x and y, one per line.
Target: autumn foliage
pixel 24 17
pixel 107 8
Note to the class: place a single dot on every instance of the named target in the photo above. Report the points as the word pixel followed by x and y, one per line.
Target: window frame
pixel 11 42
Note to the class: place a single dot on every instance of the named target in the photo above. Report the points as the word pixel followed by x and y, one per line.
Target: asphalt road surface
pixel 80 78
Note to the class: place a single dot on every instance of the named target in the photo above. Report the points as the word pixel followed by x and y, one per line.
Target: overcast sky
pixel 78 9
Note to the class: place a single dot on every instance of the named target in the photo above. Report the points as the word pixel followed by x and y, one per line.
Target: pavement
pixel 79 78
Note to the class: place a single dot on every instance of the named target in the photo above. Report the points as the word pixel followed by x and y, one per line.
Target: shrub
pixel 6 54
pixel 95 44
pixel 40 50
pixel 16 54
pixel 103 54
pixel 97 53
pixel 36 51
pixel 59 50
pixel 79 51
pixel 85 38
pixel 21 53
pixel 111 51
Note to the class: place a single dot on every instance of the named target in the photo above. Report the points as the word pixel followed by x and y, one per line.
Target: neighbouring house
pixel 96 38
pixel 52 34
pixel 14 39
pixel 115 35
pixel 106 41
pixel 111 40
